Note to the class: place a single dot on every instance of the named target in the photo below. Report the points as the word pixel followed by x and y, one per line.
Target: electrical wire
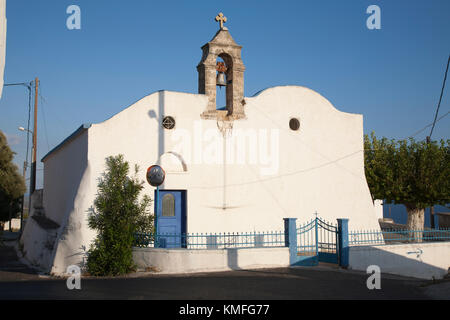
pixel 281 175
pixel 43 101
pixel 440 98
pixel 28 85
pixel 25 84
pixel 429 125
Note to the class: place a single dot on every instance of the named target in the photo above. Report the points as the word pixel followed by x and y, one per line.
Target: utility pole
pixel 33 161
pixel 23 197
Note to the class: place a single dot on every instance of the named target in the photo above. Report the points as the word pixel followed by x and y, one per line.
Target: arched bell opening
pixel 221 84
pixel 224 75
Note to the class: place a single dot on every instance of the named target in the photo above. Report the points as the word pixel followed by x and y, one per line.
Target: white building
pixel 2 41
pixel 288 153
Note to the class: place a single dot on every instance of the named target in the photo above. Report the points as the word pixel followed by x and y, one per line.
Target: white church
pixel 285 152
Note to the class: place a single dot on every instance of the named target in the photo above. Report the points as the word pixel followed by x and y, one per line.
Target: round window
pixel 168 122
pixel 294 124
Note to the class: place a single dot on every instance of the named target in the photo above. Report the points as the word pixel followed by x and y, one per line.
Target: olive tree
pixel 413 173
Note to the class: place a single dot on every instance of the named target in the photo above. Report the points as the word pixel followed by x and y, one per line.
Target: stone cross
pixel 221 19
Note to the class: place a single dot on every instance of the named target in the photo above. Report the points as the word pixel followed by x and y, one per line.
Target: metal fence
pixel 306 238
pixel 212 240
pixel 318 235
pixel 397 236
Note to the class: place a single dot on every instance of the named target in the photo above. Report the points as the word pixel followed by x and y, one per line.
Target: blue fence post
pixel 316 231
pixel 156 240
pixel 343 244
pixel 290 238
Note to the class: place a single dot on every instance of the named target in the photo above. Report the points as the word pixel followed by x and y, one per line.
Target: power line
pixel 26 84
pixel 43 101
pixel 440 98
pixel 335 161
pixel 429 125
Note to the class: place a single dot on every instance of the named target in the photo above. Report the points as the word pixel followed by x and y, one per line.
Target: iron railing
pixel 312 237
pixel 212 240
pixel 306 238
pixel 393 236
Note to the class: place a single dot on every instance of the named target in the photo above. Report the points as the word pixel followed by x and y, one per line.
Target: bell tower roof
pixel 223 37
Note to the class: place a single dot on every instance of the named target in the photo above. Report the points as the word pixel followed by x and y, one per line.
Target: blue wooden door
pixel 171 213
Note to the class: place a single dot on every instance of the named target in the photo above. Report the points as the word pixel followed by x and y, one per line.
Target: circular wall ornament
pixel 294 124
pixel 155 175
pixel 168 122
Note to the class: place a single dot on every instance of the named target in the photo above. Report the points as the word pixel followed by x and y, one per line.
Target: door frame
pixel 184 208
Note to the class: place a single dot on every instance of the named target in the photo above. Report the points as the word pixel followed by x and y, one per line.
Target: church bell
pixel 220 80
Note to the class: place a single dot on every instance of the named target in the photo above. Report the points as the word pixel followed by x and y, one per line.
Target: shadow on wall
pixel 71 226
pixel 424 261
pixel 159 118
pixel 232 259
pixel 64 172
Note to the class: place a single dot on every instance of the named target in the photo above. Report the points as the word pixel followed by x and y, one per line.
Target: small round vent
pixel 294 124
pixel 168 122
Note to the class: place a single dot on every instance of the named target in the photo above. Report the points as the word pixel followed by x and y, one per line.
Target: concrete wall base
pixel 189 261
pixel 418 260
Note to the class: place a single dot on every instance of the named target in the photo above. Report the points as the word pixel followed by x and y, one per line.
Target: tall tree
pixel 119 212
pixel 409 172
pixel 12 184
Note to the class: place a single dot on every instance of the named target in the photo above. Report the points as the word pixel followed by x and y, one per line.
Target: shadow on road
pixel 11 269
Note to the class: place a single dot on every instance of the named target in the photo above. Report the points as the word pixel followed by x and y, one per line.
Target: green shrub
pixel 117 214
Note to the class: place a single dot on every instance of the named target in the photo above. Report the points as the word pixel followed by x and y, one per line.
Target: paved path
pixel 11 269
pixel 19 282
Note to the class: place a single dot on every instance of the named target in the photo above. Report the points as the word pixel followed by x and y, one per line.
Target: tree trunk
pixel 10 216
pixel 415 223
pixel 432 217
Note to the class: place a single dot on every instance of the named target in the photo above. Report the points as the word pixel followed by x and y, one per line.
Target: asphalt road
pixel 323 282
pixel 273 284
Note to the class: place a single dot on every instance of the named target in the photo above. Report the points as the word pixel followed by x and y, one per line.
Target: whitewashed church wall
pixel 75 236
pixel 64 193
pixel 318 168
pixel 321 166
pixel 63 171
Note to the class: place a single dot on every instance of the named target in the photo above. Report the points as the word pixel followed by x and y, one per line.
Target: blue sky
pixel 126 50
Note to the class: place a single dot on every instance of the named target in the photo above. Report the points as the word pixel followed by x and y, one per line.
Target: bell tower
pixel 229 74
